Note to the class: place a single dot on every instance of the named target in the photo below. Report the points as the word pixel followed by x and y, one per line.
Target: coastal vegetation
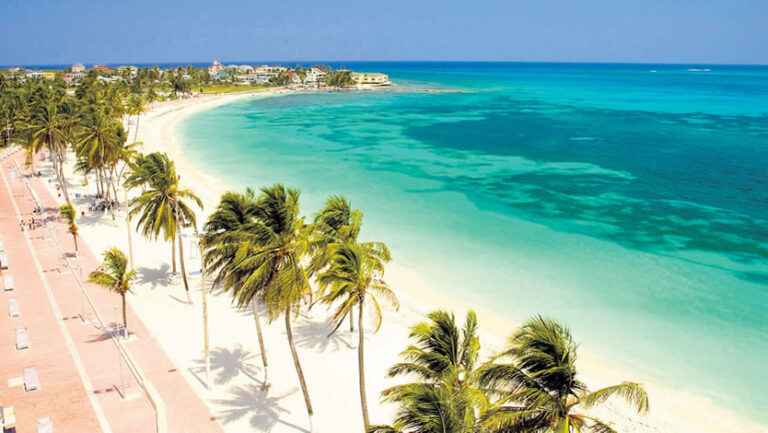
pixel 68 212
pixel 162 208
pixel 267 257
pixel 531 386
pixel 114 275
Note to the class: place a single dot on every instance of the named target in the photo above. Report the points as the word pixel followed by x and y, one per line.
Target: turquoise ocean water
pixel 629 203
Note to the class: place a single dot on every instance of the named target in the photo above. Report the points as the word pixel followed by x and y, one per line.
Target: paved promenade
pixel 85 385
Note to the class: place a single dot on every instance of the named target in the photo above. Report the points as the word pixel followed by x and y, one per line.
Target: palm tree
pixel 539 387
pixel 47 130
pixel 354 279
pixel 136 107
pixel 222 240
pixel 273 248
pixel 162 209
pixel 114 275
pixel 447 397
pixel 335 225
pixel 68 212
pixel 98 141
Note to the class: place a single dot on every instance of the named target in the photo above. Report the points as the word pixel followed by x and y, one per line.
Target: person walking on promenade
pixel 21 224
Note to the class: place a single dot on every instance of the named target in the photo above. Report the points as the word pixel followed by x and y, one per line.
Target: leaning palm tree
pixel 114 275
pixel 222 239
pixel 271 255
pixel 136 107
pixel 539 390
pixel 446 397
pixel 354 279
pixel 335 225
pixel 162 209
pixel 68 212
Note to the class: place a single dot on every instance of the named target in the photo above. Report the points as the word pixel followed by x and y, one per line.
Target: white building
pixel 272 71
pixel 79 67
pixel 245 69
pixel 315 75
pixel 256 78
pixel 372 78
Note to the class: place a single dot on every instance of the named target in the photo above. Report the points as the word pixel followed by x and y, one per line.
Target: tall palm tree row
pixel 270 256
pixel 223 237
pixel 162 209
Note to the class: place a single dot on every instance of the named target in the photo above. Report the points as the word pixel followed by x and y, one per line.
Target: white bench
pixel 44 425
pixel 31 379
pixel 8 280
pixel 7 416
pixel 3 261
pixel 13 308
pixel 22 338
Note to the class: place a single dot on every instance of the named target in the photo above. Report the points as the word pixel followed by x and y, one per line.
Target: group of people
pixel 33 223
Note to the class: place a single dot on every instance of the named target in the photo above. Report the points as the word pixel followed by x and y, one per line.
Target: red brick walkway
pixel 75 399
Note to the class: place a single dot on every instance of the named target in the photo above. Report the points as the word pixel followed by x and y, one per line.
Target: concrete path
pixel 83 378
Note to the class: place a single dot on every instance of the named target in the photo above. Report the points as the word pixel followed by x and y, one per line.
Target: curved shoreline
pixel 671 410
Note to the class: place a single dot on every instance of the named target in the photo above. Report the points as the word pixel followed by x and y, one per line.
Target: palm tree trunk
pixel 183 272
pixel 136 134
pixel 351 321
pixel 262 347
pixel 173 253
pixel 125 316
pixel 63 181
pixel 98 182
pixel 296 363
pixel 361 368
pixel 74 237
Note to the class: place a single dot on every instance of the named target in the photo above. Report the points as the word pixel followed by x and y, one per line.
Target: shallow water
pixel 631 204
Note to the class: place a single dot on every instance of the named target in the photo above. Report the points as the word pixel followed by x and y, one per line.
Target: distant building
pixel 257 78
pixel 14 69
pixel 244 69
pixel 73 77
pixel 100 68
pixel 272 71
pixel 40 74
pixel 79 67
pixel 112 79
pixel 132 69
pixel 215 68
pixel 315 75
pixel 373 78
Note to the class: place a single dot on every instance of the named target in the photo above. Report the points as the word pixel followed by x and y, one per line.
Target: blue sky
pixel 139 31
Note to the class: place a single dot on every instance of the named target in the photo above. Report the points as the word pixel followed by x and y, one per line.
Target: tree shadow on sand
pixel 154 277
pixel 262 409
pixel 226 364
pixel 315 335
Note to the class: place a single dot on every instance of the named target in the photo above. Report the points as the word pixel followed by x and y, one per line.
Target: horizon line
pixel 188 62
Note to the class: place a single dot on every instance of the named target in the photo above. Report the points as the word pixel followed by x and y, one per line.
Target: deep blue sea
pixel 629 201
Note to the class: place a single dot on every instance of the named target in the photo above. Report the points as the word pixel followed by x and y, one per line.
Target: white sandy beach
pixel 330 363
